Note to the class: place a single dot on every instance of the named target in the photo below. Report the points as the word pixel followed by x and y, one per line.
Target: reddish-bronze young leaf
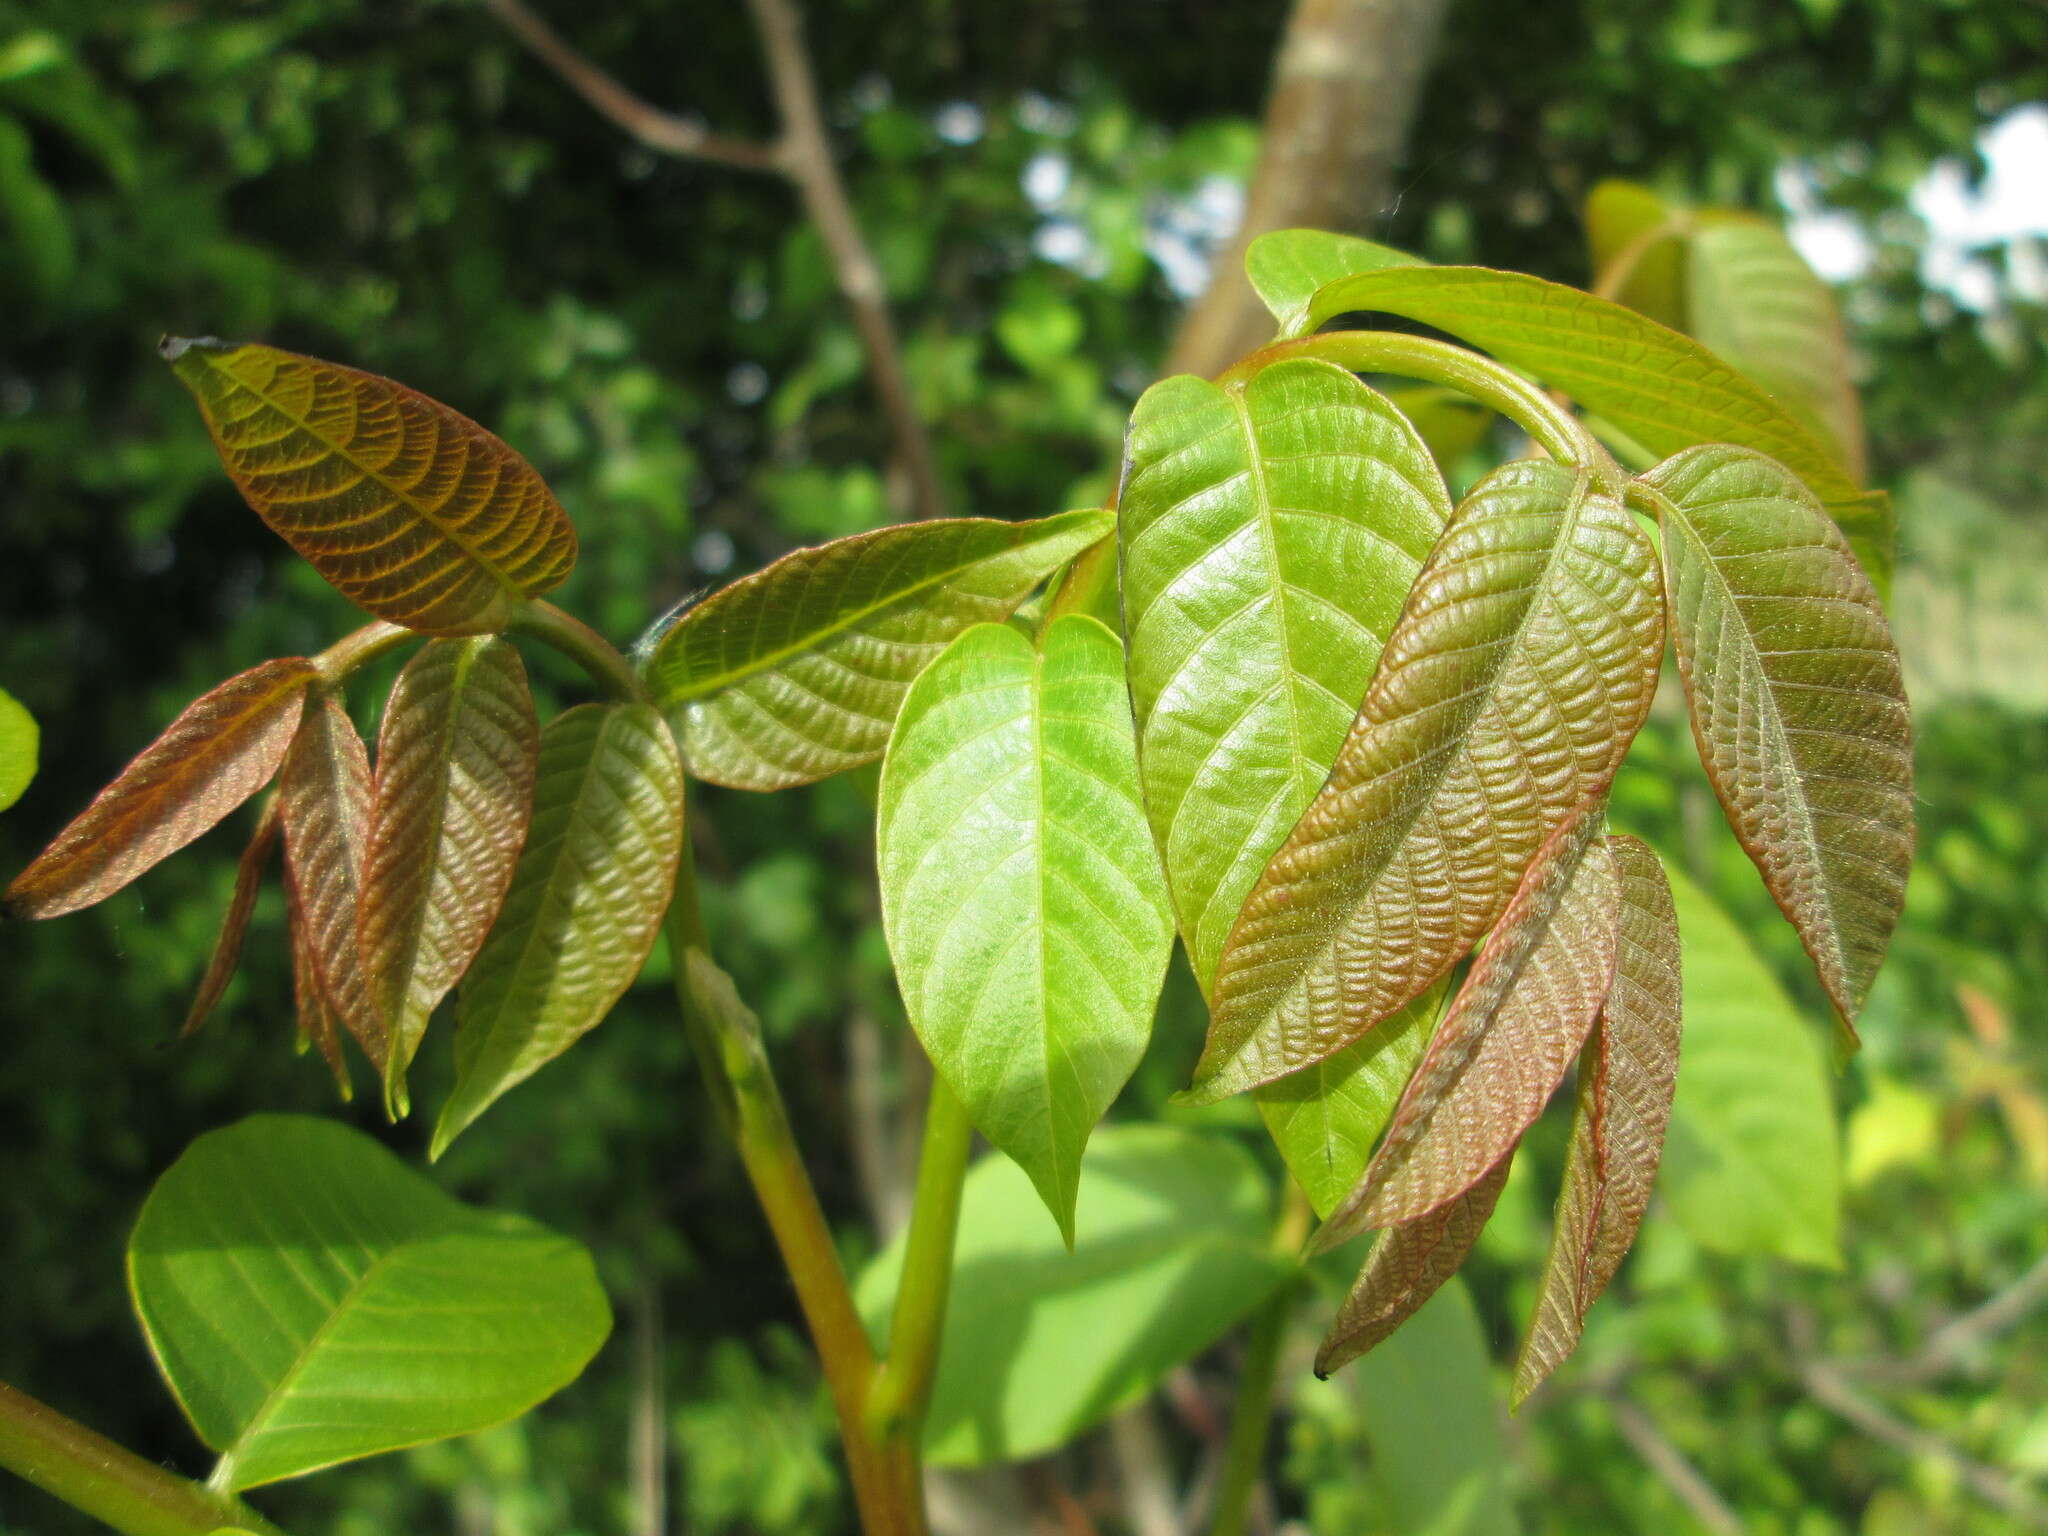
pixel 227 949
pixel 414 511
pixel 323 798
pixel 1507 1039
pixel 1407 1266
pixel 454 790
pixel 1627 1075
pixel 1506 696
pixel 214 756
pixel 1797 703
pixel 318 1028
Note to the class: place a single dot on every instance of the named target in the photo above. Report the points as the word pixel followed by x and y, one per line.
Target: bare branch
pixel 803 154
pixel 1670 1464
pixel 667 132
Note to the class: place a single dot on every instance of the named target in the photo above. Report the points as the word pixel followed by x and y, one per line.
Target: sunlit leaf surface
pixel 1406 1267
pixel 796 672
pixel 1507 1039
pixel 219 752
pixel 586 902
pixel 1520 670
pixel 18 747
pixel 1270 531
pixel 1626 1077
pixel 1020 890
pixel 323 800
pixel 414 511
pixel 311 1300
pixel 454 789
pixel 1288 266
pixel 1798 706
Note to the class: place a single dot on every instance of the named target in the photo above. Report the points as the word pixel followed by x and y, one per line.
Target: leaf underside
pixel 215 755
pixel 1507 1040
pixel 1269 532
pixel 1407 1265
pixel 323 796
pixel 796 672
pixel 234 926
pixel 311 1300
pixel 1020 891
pixel 1797 702
pixel 416 513
pixel 1287 268
pixel 453 791
pixel 585 905
pixel 1627 1075
pixel 1520 670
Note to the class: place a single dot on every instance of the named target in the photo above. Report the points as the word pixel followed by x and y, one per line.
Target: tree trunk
pixel 1345 84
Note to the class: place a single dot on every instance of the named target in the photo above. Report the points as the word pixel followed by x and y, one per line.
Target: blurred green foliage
pixel 398 187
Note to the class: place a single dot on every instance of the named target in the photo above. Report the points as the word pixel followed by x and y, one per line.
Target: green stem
pixel 1251 1420
pixel 1552 427
pixel 582 645
pixel 359 648
pixel 114 1486
pixel 903 1390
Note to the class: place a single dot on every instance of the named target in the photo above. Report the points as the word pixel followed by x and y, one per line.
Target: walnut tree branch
pixel 802 154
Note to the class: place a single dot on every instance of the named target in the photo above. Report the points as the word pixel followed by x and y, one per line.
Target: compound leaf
pixel 796 672
pixel 416 513
pixel 1626 1077
pixel 310 1300
pixel 586 902
pixel 1326 1118
pixel 1288 266
pixel 1171 1247
pixel 1507 1040
pixel 1752 1162
pixel 1407 1265
pixel 219 752
pixel 1020 891
pixel 1519 672
pixel 323 800
pixel 19 740
pixel 1797 703
pixel 454 790
pixel 1638 250
pixel 234 926
pixel 1270 531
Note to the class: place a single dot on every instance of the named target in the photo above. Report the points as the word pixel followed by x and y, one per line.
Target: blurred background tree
pixel 1045 187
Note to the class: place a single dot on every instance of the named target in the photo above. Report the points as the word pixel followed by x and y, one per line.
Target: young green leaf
pixel 1663 389
pixel 1326 1118
pixel 416 513
pixel 310 1300
pixel 234 926
pixel 453 792
pixel 1406 1267
pixel 1508 1040
pixel 219 752
pixel 1172 1246
pixel 1288 266
pixel 323 798
pixel 1521 668
pixel 1638 250
pixel 1752 301
pixel 1626 1077
pixel 796 672
pixel 1020 890
pixel 1752 1162
pixel 1270 531
pixel 18 744
pixel 586 902
pixel 1798 707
